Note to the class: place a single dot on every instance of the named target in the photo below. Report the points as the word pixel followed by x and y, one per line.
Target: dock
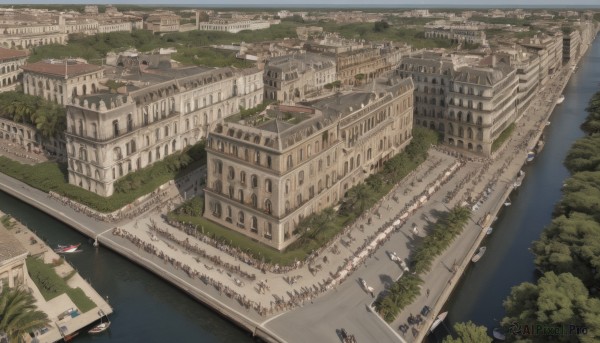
pixel 66 319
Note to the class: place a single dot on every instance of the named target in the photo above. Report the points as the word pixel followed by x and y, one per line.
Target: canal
pixel 147 309
pixel 508 261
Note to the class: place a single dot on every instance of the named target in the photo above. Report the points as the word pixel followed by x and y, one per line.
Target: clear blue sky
pixel 361 3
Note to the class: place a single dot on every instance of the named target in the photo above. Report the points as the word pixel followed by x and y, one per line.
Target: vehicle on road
pixel 394 257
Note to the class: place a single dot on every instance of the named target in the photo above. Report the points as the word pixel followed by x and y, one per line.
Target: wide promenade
pixel 271 305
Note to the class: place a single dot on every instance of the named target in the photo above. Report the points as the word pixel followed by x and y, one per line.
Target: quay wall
pixel 237 318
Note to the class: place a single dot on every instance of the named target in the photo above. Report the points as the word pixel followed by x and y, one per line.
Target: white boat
pixel 68 249
pixel 548 123
pixel 440 318
pixel 560 99
pixel 539 146
pixel 519 179
pixel 530 155
pixel 479 254
pixel 498 334
pixel 100 328
pixel 489 230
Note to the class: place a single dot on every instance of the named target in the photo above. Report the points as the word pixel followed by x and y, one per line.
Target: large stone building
pixel 158 111
pixel 233 26
pixel 268 172
pixel 61 80
pixel 571 45
pixel 457 33
pixel 550 52
pixel 295 77
pixel 468 101
pixel 370 62
pixel 162 22
pixel 13 269
pixel 10 68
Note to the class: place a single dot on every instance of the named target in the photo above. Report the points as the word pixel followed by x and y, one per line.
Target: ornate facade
pixel 266 173
pixel 295 77
pixel 233 26
pixel 471 104
pixel 61 80
pixel 10 68
pixel 12 260
pixel 457 33
pixel 159 112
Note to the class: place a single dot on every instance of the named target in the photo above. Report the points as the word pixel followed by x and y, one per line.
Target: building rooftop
pixel 10 247
pixel 7 54
pixel 69 68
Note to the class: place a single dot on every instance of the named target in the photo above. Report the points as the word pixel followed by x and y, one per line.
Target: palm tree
pixel 18 314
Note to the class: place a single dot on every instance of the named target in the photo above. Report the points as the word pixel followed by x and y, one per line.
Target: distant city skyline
pixel 317 3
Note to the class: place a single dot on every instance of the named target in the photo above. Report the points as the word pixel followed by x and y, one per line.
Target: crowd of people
pixel 201 253
pixel 130 212
pixel 295 297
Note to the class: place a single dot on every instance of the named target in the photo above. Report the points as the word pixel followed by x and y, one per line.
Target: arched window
pixel 289 162
pixel 268 206
pixel 287 186
pixel 243 177
pixel 254 181
pixel 254 225
pixel 301 177
pixel 241 218
pixel 231 173
pixel 268 186
pixel 129 123
pixel 241 196
pixel 254 200
pixel 115 127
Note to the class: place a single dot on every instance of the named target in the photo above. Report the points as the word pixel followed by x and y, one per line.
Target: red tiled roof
pixel 6 54
pixel 59 69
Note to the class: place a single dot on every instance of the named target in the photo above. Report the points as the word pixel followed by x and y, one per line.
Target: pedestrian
pixel 428 292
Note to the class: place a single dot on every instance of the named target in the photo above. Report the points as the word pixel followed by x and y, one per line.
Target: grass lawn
pixel 51 285
pixel 503 137
pixel 52 176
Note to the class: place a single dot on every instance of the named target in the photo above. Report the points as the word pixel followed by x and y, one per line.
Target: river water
pixel 147 309
pixel 508 261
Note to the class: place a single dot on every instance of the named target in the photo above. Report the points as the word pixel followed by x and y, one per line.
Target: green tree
pixel 571 244
pixel 381 26
pixel 19 315
pixel 584 154
pixel 591 124
pixel 469 333
pixel 554 301
pixel 359 78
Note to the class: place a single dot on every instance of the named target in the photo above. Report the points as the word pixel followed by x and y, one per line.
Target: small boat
pixel 489 230
pixel 548 123
pixel 68 249
pixel 539 146
pixel 507 202
pixel 440 318
pixel 498 334
pixel 530 155
pixel 560 99
pixel 479 254
pixel 100 328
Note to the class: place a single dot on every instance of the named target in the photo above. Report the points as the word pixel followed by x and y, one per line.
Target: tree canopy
pixel 554 301
pixel 19 314
pixel 469 333
pixel 49 118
